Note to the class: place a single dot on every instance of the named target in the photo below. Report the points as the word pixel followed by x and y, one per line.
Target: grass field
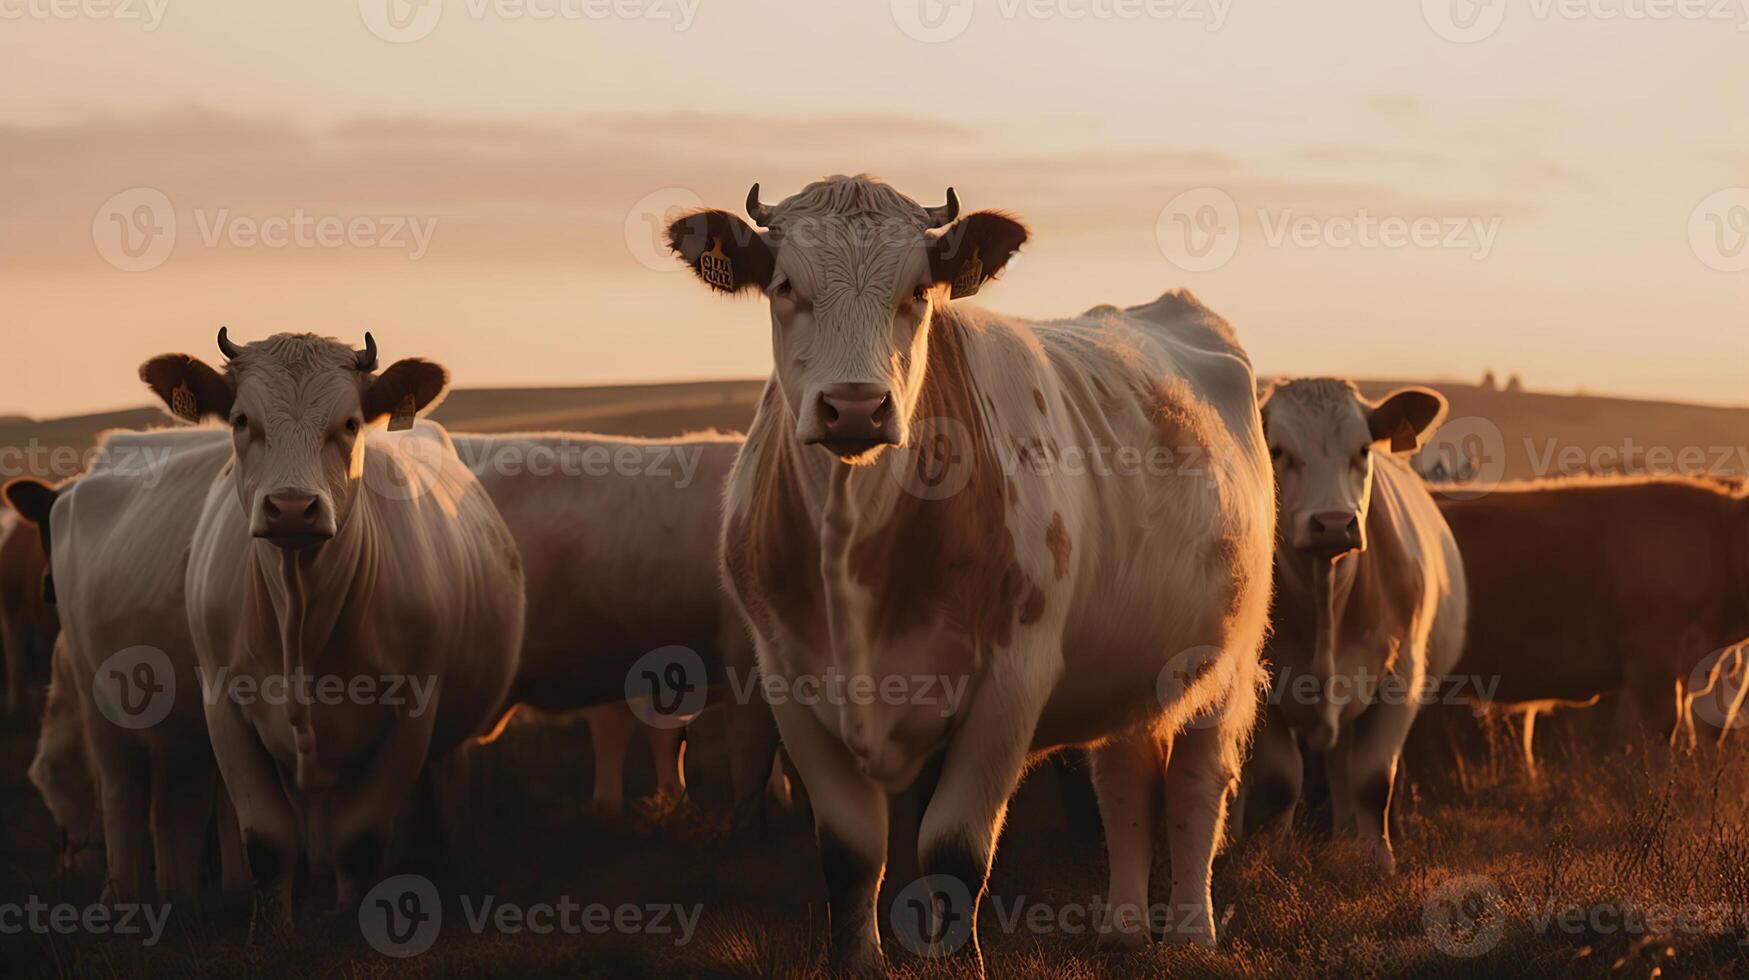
pixel 1617 863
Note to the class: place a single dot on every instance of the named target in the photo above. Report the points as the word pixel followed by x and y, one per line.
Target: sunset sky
pixel 1574 151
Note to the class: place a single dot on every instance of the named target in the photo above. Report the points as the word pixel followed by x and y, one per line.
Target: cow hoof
pixel 1123 941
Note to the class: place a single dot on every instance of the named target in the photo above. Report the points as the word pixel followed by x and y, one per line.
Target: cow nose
pixel 1333 532
pixel 292 519
pixel 855 418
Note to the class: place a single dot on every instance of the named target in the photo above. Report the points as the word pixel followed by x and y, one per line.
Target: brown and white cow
pixel 118 554
pixel 1590 586
pixel 28 625
pixel 1369 600
pixel 916 518
pixel 617 536
pixel 363 575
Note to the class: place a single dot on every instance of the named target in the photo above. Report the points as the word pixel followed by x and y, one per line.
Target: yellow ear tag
pixel 970 278
pixel 183 404
pixel 715 268
pixel 402 417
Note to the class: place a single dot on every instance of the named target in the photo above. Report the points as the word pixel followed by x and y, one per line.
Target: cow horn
pixel 227 348
pixel 760 213
pixel 367 358
pixel 945 214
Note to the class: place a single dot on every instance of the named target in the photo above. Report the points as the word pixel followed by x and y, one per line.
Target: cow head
pixel 852 270
pixel 34 500
pixel 1322 435
pixel 296 404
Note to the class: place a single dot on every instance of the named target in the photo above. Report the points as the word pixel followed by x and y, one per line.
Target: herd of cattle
pixel 1250 579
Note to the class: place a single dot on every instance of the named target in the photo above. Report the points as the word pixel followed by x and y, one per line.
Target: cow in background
pixel 61 769
pixel 1369 601
pixel 331 550
pixel 876 532
pixel 28 624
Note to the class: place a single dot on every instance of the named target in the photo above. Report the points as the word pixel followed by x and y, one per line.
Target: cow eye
pixel 239 421
pixel 920 294
pixel 783 288
pixel 352 427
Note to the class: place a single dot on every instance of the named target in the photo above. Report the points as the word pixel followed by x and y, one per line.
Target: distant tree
pixel 1514 383
pixel 1488 382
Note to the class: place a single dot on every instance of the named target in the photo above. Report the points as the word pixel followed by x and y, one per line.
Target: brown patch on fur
pixel 771 550
pixel 953 557
pixel 1057 539
pixel 1034 610
pixel 1038 398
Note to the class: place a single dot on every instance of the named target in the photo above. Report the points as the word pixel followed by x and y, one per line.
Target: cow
pixel 1587 586
pixel 935 576
pixel 1369 601
pixel 117 552
pixel 611 530
pixel 362 574
pixel 28 625
pixel 61 768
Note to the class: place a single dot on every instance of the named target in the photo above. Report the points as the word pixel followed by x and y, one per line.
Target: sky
pixel 1425 189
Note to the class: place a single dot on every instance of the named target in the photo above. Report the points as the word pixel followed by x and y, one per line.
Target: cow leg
pixel 984 762
pixel 233 863
pixel 1370 749
pixel 125 792
pixel 266 824
pixel 1128 776
pixel 752 735
pixel 183 780
pixel 15 639
pixel 850 820
pixel 1201 775
pixel 1269 793
pixel 668 753
pixel 1527 743
pixel 364 820
pixel 610 735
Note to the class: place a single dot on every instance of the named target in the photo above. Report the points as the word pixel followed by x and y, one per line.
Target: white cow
pixel 355 599
pixel 1370 600
pixel 616 536
pixel 118 548
pixel 979 539
pixel 61 768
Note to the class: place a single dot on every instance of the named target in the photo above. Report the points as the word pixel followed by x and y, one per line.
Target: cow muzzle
pixel 1330 534
pixel 852 419
pixel 294 520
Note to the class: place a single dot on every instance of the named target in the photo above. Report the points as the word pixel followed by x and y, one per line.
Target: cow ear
pixel 724 251
pixel 32 498
pixel 973 250
pixel 190 390
pixel 1407 417
pixel 408 387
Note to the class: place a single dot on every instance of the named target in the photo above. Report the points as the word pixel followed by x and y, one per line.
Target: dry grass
pixel 1598 834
